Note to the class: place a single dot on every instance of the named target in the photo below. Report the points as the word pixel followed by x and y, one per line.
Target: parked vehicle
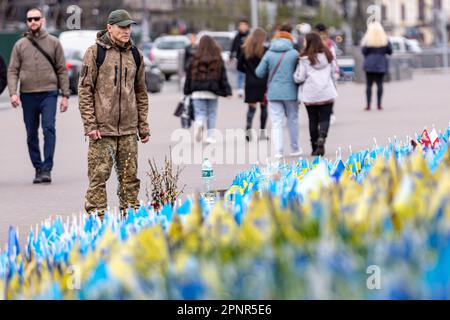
pixel 413 45
pixel 147 49
pixel 154 77
pixel 75 43
pixel 414 33
pixel 74 63
pixel 223 38
pixel 78 40
pixel 401 45
pixel 166 53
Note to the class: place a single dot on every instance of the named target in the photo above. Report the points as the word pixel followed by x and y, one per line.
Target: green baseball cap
pixel 121 18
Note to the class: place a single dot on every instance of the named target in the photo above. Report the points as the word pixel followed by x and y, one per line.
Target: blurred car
pixel 78 40
pixel 413 45
pixel 414 33
pixel 223 38
pixel 74 63
pixel 154 77
pixel 166 53
pixel 401 45
pixel 147 49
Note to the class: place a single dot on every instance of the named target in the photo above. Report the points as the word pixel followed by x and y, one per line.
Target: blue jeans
pixel 40 107
pixel 205 110
pixel 240 80
pixel 278 111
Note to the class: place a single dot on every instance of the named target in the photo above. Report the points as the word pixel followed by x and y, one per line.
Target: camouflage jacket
pixel 113 99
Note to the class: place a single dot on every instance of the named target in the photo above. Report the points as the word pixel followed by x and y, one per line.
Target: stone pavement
pixel 409 106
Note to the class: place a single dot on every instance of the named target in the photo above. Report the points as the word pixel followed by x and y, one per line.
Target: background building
pixel 418 19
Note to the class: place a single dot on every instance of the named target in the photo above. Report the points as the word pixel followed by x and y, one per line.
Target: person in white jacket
pixel 316 75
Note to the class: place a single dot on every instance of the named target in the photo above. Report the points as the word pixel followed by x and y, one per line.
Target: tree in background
pixel 214 15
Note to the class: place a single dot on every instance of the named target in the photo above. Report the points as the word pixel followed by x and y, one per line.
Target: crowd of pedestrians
pixel 275 75
pixel 279 75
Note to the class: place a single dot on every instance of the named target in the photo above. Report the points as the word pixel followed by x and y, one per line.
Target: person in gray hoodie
pixel 316 75
pixel 279 64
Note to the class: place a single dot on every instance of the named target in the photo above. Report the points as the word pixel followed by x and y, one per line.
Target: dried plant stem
pixel 164 183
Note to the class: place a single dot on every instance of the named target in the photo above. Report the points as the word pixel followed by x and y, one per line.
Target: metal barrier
pixel 428 59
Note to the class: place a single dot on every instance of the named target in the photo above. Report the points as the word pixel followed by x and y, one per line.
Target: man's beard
pixel 35 32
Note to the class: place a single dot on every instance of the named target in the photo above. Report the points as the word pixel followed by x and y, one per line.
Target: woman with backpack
pixel 315 74
pixel 278 65
pixel 206 80
pixel 375 47
pixel 255 88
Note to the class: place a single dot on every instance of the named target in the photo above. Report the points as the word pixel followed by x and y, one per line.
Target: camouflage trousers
pixel 122 153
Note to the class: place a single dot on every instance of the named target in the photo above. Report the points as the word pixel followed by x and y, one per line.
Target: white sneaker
pixel 263 135
pixel 279 156
pixel 240 93
pixel 211 140
pixel 332 119
pixel 198 132
pixel 296 153
pixel 248 135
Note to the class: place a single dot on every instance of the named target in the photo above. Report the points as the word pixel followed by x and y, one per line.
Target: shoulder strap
pixel 99 59
pixel 47 56
pixel 276 68
pixel 136 56
pixel 101 55
pixel 137 60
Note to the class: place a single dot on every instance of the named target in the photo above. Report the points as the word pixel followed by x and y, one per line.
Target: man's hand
pixel 146 139
pixel 15 101
pixel 94 135
pixel 64 104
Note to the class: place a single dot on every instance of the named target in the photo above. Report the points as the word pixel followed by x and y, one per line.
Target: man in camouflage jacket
pixel 113 103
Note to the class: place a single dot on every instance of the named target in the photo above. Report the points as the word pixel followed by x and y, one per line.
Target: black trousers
pixel 251 114
pixel 372 78
pixel 319 121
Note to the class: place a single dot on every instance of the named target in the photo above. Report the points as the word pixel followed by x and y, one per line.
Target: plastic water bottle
pixel 207 176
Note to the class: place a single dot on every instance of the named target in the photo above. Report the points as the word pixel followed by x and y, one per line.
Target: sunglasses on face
pixel 33 18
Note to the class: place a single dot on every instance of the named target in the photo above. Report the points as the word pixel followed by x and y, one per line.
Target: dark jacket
pixel 375 59
pixel 188 56
pixel 220 87
pixel 255 88
pixel 2 75
pixel 236 47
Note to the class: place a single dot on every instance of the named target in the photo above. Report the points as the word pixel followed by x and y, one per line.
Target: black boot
pixel 38 176
pixel 46 176
pixel 314 148
pixel 320 151
pixel 248 135
pixel 250 115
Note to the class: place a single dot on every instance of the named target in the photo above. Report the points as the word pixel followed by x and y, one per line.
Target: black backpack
pixel 101 54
